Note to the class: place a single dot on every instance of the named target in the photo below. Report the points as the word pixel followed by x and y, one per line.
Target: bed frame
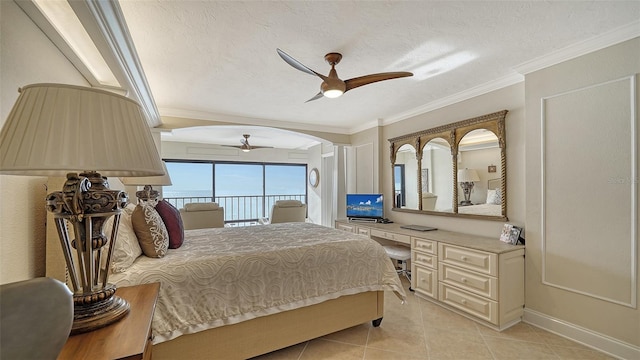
pixel 273 332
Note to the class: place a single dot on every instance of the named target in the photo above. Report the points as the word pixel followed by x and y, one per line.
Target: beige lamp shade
pixel 54 129
pixel 163 180
pixel 468 175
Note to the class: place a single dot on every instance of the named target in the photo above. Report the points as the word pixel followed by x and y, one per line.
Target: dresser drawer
pixel 346 227
pixel 391 236
pixel 472 304
pixel 479 284
pixel 424 259
pixel 424 245
pixel 424 280
pixel 364 231
pixel 475 260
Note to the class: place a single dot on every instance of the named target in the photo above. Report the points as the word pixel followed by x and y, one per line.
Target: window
pixel 189 179
pixel 247 191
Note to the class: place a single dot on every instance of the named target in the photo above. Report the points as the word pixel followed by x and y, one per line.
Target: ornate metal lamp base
pixel 89 316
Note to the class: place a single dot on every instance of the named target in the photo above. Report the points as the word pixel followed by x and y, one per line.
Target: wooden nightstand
pixel 129 338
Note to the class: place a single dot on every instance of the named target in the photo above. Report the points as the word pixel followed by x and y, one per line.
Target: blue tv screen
pixel 365 206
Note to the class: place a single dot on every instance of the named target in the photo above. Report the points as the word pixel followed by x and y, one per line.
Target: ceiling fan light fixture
pixel 333 93
pixel 333 88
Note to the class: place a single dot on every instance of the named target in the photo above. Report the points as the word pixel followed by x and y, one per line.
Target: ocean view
pixel 246 191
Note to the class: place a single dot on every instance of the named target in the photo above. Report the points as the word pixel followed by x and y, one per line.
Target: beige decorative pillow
pixel 150 230
pixel 127 248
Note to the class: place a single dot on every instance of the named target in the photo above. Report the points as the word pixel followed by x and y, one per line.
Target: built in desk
pixel 479 277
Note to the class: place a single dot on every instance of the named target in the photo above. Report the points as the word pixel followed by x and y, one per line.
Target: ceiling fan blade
pixel 297 64
pixel 368 79
pixel 261 147
pixel 318 96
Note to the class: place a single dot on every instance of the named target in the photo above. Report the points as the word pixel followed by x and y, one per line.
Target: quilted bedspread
pixel 228 275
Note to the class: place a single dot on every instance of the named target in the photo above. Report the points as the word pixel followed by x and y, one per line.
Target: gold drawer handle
pixel 463 301
pixel 464 258
pixel 464 280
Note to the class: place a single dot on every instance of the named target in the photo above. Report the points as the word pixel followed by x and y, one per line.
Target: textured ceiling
pixel 217 59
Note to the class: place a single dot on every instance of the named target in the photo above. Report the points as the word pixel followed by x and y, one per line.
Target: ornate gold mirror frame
pixel 494 206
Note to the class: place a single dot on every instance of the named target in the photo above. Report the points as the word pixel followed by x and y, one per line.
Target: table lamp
pixel 56 129
pixel 148 194
pixel 466 178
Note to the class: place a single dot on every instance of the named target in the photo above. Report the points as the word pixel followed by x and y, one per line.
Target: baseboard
pixel 586 337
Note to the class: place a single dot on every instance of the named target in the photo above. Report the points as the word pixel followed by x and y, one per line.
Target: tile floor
pixel 422 330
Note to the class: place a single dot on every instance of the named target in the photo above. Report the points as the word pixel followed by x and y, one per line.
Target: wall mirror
pixel 406 183
pixel 457 169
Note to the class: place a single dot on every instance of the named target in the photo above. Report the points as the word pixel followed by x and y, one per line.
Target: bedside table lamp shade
pixel 56 130
pixel 466 178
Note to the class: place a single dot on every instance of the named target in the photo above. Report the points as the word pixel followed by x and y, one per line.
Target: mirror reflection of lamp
pixel 466 178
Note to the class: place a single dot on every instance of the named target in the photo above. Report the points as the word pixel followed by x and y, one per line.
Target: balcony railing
pixel 239 210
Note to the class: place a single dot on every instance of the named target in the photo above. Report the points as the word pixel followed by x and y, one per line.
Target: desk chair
pixel 202 215
pixel 36 316
pixel 401 254
pixel 286 211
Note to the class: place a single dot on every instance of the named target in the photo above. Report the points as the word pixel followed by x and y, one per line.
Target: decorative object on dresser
pixel 148 193
pixel 466 178
pixel 56 129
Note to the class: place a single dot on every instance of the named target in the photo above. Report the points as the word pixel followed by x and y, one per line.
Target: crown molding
pixel 456 98
pixel 604 40
pixel 615 36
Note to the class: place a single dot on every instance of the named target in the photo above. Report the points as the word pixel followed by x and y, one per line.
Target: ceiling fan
pixel 332 86
pixel 246 147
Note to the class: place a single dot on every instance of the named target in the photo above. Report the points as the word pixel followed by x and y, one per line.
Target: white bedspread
pixel 481 209
pixel 228 275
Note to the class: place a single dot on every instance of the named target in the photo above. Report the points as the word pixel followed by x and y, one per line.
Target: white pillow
pixel 127 248
pixel 493 197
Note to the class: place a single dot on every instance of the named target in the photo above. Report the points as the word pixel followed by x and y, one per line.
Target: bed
pixel 493 201
pixel 240 292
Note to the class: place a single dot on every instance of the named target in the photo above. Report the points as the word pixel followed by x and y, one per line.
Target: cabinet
pixel 424 267
pixel 353 228
pixel 486 285
pixel 478 277
pixel 129 338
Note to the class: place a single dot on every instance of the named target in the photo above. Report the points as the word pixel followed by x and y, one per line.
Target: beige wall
pixel 510 98
pixel 363 162
pixel 26 57
pixel 603 317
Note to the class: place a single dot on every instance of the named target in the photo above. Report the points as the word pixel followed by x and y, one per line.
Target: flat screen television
pixel 365 206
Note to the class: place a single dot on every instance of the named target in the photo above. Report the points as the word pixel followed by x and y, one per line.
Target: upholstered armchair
pixel 429 201
pixel 286 211
pixel 202 215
